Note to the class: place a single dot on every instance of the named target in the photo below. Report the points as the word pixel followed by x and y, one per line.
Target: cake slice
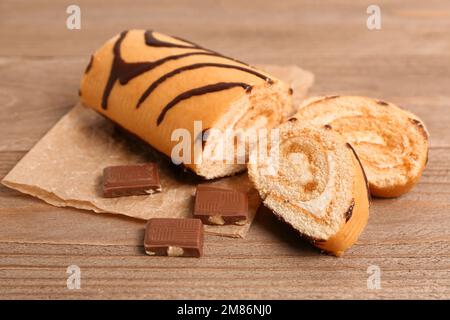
pixel 316 184
pixel 392 143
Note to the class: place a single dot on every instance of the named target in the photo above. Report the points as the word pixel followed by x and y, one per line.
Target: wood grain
pixel 406 62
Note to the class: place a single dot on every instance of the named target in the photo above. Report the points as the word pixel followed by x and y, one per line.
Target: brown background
pixel 406 62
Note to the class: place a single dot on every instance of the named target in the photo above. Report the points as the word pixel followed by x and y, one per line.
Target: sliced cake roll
pixel 157 87
pixel 315 183
pixel 391 143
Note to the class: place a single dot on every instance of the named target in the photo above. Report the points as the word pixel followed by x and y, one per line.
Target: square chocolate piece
pixel 174 237
pixel 220 206
pixel 130 180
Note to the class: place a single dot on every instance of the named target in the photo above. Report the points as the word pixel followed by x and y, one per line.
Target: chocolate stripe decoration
pixel 89 66
pixel 163 78
pixel 369 196
pixel 198 92
pixel 124 72
pixel 150 40
pixel 148 66
pixel 215 52
pixel 118 67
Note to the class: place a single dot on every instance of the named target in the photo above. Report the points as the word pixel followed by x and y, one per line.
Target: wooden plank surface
pixel 407 62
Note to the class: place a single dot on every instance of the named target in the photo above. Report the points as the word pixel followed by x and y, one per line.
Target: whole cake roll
pixel 317 185
pixel 154 85
pixel 392 143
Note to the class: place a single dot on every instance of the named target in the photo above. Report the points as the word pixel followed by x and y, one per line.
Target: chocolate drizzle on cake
pixel 348 214
pixel 89 66
pixel 140 68
pixel 362 168
pixel 198 92
pixel 194 66
pixel 123 71
pixel 151 41
pixel 420 127
pixel 382 103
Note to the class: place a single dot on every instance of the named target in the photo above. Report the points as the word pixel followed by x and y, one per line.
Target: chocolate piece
pixel 130 180
pixel 219 206
pixel 174 237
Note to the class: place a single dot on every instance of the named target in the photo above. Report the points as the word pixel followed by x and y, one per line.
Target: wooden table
pixel 406 62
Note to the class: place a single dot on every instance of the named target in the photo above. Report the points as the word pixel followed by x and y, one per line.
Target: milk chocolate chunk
pixel 174 237
pixel 130 180
pixel 220 206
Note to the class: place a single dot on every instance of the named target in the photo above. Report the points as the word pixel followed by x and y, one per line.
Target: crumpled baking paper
pixel 65 167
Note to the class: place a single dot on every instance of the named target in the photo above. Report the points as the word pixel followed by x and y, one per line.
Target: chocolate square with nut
pixel 174 237
pixel 220 206
pixel 130 180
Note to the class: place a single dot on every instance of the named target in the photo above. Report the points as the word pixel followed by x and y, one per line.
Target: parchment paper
pixel 65 167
